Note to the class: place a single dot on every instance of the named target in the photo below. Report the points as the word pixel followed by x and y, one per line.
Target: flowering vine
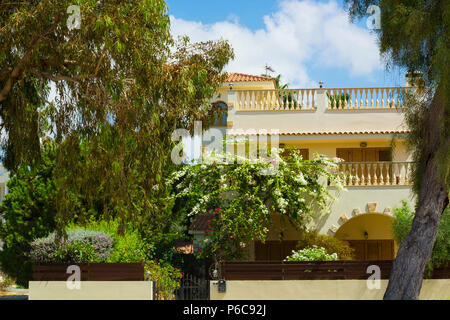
pixel 241 197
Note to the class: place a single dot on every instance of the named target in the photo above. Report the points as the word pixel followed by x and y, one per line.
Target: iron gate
pixel 193 288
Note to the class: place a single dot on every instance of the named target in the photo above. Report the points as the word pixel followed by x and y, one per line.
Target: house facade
pixel 363 126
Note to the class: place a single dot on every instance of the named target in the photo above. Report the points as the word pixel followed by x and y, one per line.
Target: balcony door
pixel 364 154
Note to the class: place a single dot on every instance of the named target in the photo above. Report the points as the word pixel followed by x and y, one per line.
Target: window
pixel 364 154
pixel 303 152
pixel 220 109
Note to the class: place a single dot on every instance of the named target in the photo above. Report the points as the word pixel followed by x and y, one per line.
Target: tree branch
pixel 16 73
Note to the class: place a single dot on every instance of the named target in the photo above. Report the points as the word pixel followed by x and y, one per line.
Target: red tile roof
pixel 201 222
pixel 184 247
pixel 300 133
pixel 242 77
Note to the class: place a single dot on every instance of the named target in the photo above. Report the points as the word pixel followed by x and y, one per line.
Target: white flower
pixel 300 178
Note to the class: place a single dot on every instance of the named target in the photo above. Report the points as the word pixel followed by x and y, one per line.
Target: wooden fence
pixel 91 272
pixel 310 270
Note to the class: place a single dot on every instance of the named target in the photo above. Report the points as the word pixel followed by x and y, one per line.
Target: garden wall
pixel 91 290
pixel 318 290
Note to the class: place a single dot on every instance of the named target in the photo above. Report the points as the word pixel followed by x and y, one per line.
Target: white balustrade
pixel 367 98
pixel 338 99
pixel 276 100
pixel 375 173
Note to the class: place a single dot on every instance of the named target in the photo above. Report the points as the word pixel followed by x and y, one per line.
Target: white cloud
pixel 298 35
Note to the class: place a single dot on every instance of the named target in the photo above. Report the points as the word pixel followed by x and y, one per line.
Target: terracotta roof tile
pixel 184 247
pixel 242 77
pixel 201 222
pixel 300 133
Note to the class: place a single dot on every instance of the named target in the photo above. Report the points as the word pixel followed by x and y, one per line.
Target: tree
pixel 415 35
pixel 122 86
pixel 401 225
pixel 27 212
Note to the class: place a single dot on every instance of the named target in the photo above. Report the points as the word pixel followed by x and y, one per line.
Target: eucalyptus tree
pixel 107 82
pixel 415 35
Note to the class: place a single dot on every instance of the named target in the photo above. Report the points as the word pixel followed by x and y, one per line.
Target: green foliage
pixel 127 83
pixel 128 244
pixel 79 246
pixel 329 243
pixel 166 279
pixel 76 252
pixel 27 213
pixel 338 100
pixel 415 36
pixel 241 197
pixel 5 281
pixel 313 253
pixel 401 225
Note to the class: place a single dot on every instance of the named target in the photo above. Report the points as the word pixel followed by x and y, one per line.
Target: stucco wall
pixel 91 290
pixel 355 199
pixel 318 290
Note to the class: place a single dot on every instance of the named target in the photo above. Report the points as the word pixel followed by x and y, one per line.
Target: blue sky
pixel 304 40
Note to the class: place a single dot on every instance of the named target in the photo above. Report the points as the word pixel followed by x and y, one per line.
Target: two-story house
pixel 363 126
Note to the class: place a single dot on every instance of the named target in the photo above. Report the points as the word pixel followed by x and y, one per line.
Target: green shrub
pixel 128 244
pixel 401 225
pixel 76 252
pixel 27 213
pixel 166 279
pixel 80 246
pixel 313 253
pixel 329 243
pixel 5 281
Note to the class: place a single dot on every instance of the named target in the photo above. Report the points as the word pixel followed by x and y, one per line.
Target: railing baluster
pixel 350 98
pixel 377 102
pixel 302 101
pixel 307 98
pixel 388 178
pixel 371 98
pixel 362 174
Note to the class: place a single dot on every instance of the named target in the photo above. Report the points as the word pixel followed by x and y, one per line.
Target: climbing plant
pixel 242 197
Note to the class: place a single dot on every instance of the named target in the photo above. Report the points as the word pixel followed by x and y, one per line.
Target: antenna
pixel 268 68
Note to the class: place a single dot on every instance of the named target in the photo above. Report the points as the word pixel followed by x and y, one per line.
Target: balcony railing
pixel 367 98
pixel 276 100
pixel 376 173
pixel 306 99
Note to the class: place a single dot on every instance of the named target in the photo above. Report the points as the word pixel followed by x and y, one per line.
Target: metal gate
pixel 193 288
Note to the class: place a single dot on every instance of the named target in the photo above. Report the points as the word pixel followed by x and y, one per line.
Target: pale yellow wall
pixel 319 290
pixel 328 146
pixel 377 226
pixel 355 199
pixel 91 290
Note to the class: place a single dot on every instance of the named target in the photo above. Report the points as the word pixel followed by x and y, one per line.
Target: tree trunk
pixel 415 250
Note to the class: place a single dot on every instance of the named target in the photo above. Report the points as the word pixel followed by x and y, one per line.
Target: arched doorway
pixel 371 236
